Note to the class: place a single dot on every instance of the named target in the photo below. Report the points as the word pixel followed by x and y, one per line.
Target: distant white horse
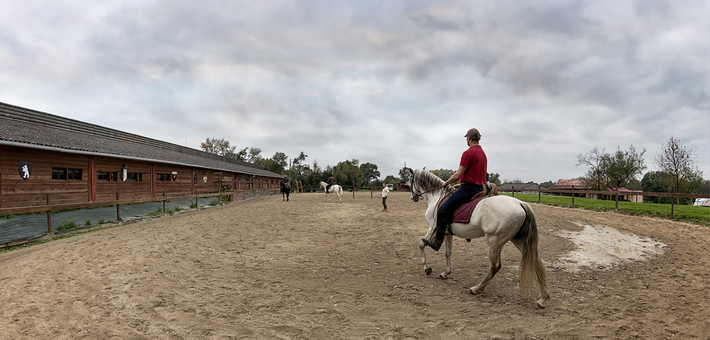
pixel 498 219
pixel 334 189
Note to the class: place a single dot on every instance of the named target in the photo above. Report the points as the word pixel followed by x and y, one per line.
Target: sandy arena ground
pixel 305 269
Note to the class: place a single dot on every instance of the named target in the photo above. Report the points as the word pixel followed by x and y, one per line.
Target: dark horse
pixel 285 190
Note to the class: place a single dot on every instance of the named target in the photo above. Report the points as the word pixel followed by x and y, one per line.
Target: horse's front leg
pixel 449 241
pixel 422 248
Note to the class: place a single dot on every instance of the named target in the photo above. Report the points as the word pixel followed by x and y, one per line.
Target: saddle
pixel 463 213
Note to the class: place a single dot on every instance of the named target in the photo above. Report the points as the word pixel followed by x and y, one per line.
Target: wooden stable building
pixel 50 160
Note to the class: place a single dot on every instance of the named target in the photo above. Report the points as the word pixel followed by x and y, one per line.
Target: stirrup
pixel 435 244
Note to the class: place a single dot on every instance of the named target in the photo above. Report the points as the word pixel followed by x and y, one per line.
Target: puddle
pixel 602 247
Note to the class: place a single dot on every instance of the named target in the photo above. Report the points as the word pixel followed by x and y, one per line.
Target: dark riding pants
pixel 384 202
pixel 445 215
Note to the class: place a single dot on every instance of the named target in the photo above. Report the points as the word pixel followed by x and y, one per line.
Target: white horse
pixel 499 219
pixel 334 189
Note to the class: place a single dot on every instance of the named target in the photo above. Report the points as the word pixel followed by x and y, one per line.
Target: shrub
pixel 67 225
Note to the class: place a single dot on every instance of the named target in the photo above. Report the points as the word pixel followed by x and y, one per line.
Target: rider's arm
pixel 456 176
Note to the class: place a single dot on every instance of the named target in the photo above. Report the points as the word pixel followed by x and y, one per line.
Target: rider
pixel 331 181
pixel 286 181
pixel 472 172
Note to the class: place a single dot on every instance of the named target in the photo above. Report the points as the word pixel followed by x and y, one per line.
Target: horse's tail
pixel 531 267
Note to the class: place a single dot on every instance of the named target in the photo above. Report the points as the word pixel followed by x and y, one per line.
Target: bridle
pixel 421 194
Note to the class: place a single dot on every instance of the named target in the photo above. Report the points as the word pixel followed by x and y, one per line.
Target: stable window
pixel 74 174
pixel 134 177
pixel 103 176
pixel 59 173
pixel 66 174
pixel 107 176
pixel 162 177
pixel 194 177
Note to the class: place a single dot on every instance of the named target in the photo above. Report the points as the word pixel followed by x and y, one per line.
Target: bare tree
pixel 595 161
pixel 679 165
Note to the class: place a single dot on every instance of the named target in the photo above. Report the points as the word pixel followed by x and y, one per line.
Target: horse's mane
pixel 427 180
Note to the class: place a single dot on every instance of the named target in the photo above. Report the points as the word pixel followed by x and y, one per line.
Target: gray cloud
pixel 383 82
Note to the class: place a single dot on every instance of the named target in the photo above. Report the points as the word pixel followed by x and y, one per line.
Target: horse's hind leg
pixel 494 256
pixel 449 240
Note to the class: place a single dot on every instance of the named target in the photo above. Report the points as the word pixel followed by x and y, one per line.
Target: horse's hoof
pixel 468 240
pixel 538 306
pixel 428 271
pixel 442 277
pixel 473 291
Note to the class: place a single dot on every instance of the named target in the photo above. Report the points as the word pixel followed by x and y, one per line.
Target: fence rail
pixel 616 194
pixel 49 208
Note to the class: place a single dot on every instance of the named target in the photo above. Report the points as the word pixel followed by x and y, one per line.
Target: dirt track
pixel 305 269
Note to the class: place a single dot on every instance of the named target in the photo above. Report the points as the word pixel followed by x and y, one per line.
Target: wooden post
pixel 573 196
pixel 353 189
pixel 672 201
pixel 513 190
pixel 538 193
pixel 197 197
pixel 49 218
pixel 1 191
pixel 616 198
pixel 118 209
pixel 371 194
pixel 163 202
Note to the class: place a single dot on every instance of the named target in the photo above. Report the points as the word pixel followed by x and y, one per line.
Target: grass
pixel 685 213
pixel 67 225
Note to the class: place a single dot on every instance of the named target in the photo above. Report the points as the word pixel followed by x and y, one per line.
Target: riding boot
pixel 442 221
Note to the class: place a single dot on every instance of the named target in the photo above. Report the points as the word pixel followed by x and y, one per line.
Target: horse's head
pixel 422 182
pixel 414 195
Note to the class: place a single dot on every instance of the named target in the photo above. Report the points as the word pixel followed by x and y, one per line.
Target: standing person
pixel 385 191
pixel 472 173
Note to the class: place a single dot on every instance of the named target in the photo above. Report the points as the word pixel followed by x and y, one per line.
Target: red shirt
pixel 476 164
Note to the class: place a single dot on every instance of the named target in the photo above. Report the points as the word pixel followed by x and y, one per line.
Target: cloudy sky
pixel 385 82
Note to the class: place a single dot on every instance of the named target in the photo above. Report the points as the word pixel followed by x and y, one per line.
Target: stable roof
pixel 27 128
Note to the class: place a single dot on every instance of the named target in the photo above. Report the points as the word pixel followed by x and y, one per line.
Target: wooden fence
pixel 616 194
pixel 49 207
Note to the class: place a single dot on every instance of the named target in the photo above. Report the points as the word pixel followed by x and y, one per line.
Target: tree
pixel 392 180
pixel 444 174
pixel 219 146
pixel 595 161
pixel 404 174
pixel 622 167
pixel 280 159
pixel 652 181
pixel 370 172
pixel 298 169
pixel 254 155
pixel 494 178
pixel 345 173
pixel 270 165
pixel 680 165
pixel 276 164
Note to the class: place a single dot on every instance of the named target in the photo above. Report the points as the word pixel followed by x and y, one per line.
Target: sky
pixel 384 82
